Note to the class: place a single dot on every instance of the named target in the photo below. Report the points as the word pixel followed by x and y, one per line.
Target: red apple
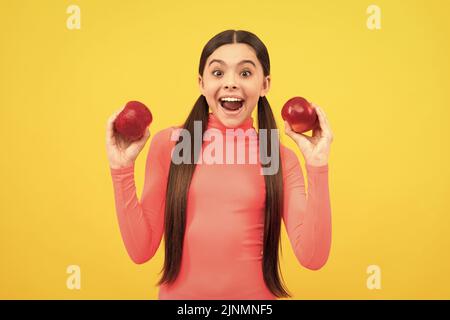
pixel 131 122
pixel 299 113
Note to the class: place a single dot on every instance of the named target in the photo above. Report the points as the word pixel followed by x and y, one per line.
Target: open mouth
pixel 231 104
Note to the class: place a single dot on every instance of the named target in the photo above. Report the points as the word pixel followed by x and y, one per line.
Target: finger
pixel 323 114
pixel 138 145
pixel 322 119
pixel 286 125
pixel 317 131
pixel 110 124
pixel 146 135
pixel 327 132
pixel 122 143
pixel 327 122
pixel 110 129
pixel 142 140
pixel 301 139
pixel 288 130
pixel 328 127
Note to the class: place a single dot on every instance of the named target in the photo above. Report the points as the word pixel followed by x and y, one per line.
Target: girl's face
pixel 233 70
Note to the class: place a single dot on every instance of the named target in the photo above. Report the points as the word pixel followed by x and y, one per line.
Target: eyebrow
pixel 223 62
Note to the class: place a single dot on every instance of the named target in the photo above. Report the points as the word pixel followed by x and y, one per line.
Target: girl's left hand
pixel 315 149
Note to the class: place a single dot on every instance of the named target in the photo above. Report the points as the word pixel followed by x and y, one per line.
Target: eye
pixel 249 73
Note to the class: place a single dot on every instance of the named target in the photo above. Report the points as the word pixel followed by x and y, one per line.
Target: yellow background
pixel 385 92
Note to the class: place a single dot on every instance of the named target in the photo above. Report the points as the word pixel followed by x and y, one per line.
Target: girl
pixel 222 222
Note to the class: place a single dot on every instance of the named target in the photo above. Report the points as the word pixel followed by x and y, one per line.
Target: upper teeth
pixel 231 99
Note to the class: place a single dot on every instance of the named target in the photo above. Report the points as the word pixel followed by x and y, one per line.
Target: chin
pixel 232 122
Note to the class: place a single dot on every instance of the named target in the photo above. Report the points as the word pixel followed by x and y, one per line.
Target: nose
pixel 230 82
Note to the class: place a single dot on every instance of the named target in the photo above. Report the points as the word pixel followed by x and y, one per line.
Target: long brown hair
pixel 180 176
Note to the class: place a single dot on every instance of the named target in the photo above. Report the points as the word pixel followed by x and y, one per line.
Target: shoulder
pixel 161 145
pixel 165 138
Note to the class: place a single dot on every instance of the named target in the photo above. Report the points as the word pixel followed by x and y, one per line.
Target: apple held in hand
pixel 300 115
pixel 132 120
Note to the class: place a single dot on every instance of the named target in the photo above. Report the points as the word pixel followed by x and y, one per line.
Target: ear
pixel 266 86
pixel 200 84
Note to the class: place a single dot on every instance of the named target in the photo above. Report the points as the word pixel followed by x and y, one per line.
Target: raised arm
pixel 142 222
pixel 307 217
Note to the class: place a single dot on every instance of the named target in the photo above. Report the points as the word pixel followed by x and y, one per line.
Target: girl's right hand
pixel 122 153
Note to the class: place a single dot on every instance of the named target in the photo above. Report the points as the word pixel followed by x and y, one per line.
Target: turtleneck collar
pixel 214 122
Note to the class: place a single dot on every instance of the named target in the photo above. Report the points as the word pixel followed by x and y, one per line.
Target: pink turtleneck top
pixel 222 250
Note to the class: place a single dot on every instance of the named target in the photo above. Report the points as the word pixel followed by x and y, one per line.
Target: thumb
pixel 136 147
pixel 291 133
pixel 288 130
pixel 145 137
pixel 300 139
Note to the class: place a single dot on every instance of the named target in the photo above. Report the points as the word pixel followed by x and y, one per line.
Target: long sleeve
pixel 141 223
pixel 307 217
